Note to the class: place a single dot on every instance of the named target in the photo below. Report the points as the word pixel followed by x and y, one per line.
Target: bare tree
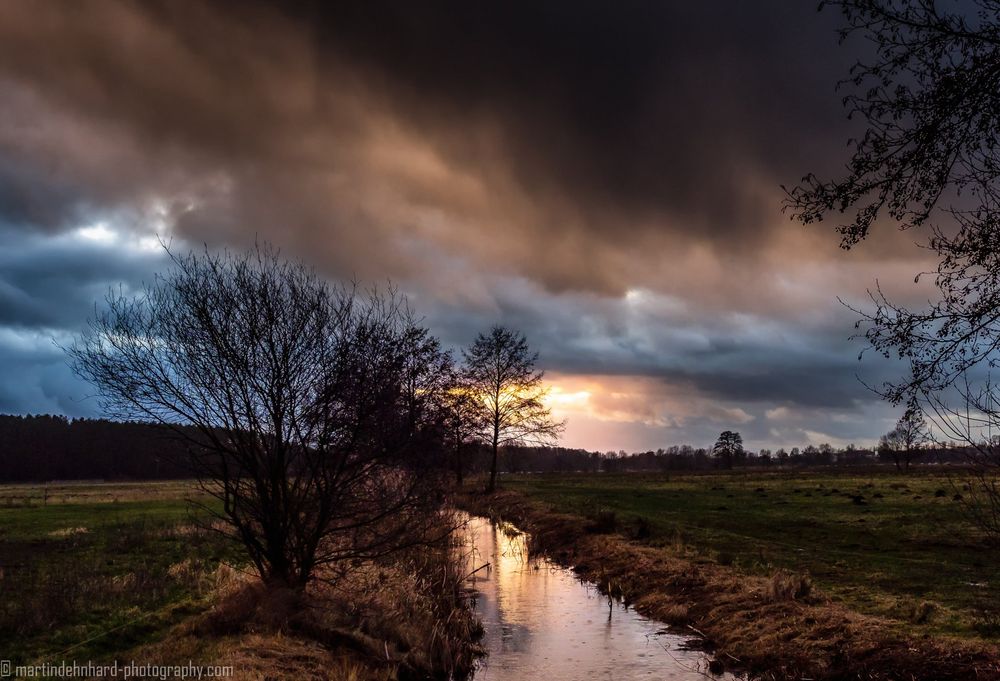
pixel 500 370
pixel 930 99
pixel 903 443
pixel 728 448
pixel 931 104
pixel 307 413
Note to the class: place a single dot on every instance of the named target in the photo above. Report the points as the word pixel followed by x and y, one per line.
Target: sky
pixel 605 177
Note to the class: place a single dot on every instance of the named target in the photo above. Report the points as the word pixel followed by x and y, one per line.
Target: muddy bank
pixel 776 628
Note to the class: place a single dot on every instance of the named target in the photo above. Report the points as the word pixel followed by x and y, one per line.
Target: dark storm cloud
pixel 32 200
pixel 603 175
pixel 36 379
pixel 675 118
pixel 55 283
pixel 49 286
pixel 645 105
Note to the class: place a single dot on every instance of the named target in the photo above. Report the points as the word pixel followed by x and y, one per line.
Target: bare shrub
pixel 313 413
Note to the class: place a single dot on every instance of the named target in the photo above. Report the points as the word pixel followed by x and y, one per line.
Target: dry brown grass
pixel 256 657
pixel 789 586
pixel 90 492
pixel 414 610
pixel 777 628
pixel 404 618
pixel 263 657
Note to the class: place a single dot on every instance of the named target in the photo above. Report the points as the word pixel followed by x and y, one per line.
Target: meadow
pixel 97 572
pixel 882 543
pixel 91 571
pixel 87 569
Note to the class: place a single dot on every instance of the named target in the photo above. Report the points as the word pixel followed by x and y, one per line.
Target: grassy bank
pixel 816 575
pixel 896 546
pixel 97 572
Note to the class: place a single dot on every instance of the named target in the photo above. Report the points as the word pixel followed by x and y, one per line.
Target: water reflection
pixel 543 623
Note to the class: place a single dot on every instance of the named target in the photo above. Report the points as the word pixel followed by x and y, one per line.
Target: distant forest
pixel 44 448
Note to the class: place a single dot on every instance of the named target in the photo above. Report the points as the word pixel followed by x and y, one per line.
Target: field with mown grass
pixel 894 545
pixel 88 570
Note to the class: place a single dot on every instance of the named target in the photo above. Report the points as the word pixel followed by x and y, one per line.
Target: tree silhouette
pixel 310 412
pixel 932 108
pixel 930 155
pixel 931 102
pixel 728 448
pixel 902 444
pixel 500 371
pixel 464 423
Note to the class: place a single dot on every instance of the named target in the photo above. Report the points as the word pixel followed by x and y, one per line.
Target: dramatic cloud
pixel 605 177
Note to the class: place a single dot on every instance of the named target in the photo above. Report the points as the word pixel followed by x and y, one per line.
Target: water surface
pixel 543 624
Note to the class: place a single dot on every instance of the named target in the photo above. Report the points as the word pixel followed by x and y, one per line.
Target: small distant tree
pixel 500 372
pixel 889 446
pixel 728 448
pixel 903 443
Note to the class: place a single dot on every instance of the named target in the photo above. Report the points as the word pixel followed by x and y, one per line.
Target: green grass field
pixel 87 570
pixel 883 543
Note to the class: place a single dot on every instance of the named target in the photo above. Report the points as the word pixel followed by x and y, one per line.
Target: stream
pixel 542 623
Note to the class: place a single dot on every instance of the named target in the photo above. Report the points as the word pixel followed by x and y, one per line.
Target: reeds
pixel 405 616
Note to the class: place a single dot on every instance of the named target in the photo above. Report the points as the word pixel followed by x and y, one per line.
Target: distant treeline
pixel 41 448
pixel 689 458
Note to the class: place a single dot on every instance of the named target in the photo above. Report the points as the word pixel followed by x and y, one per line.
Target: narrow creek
pixel 543 624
